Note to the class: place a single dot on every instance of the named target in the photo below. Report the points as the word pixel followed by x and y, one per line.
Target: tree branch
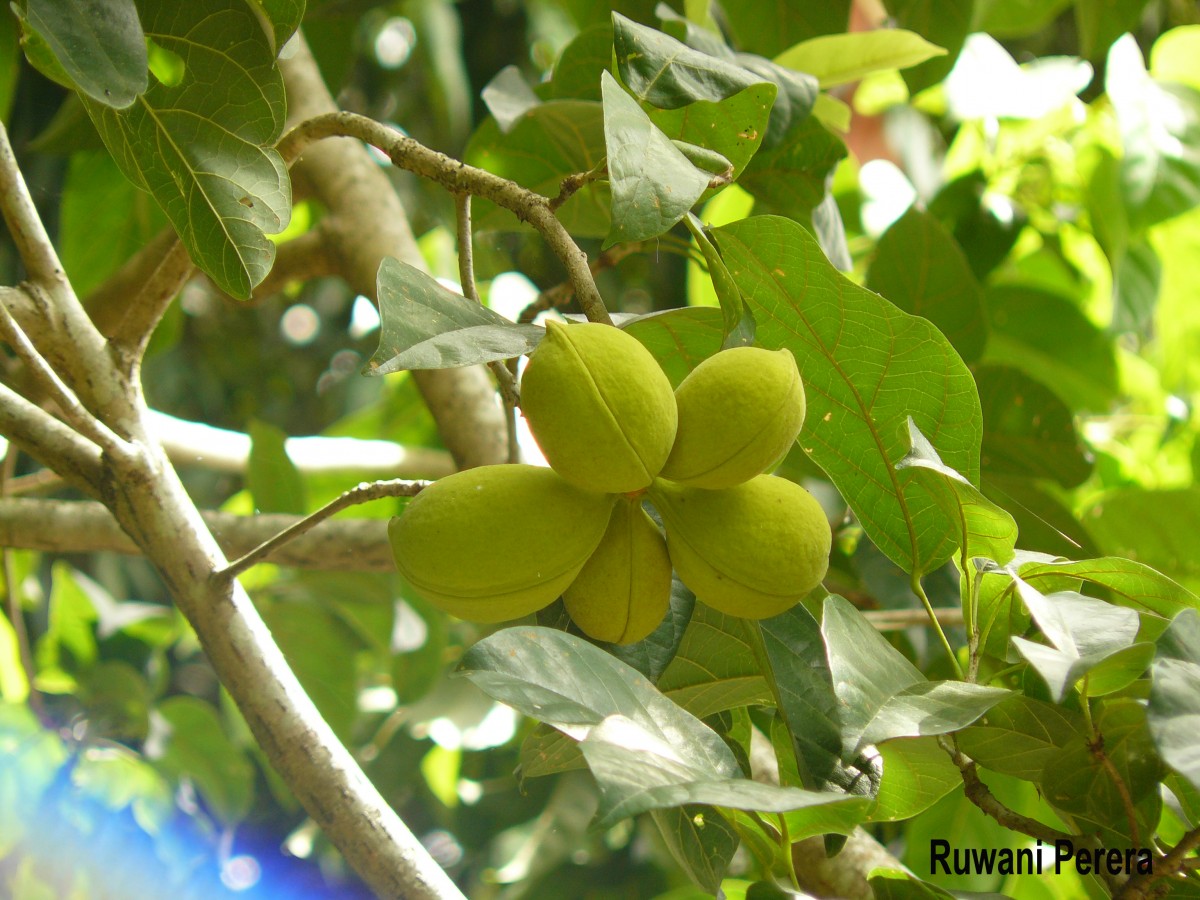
pixel 1141 887
pixel 81 526
pixel 459 178
pixel 366 223
pixel 49 441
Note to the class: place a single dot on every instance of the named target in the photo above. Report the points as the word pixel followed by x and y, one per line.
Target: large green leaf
pixel 1048 338
pixel 921 268
pixel 1020 735
pixel 551 141
pixel 1027 430
pixel 867 367
pixel 715 668
pixel 653 183
pixel 680 339
pixel 769 26
pixel 917 773
pixel 1079 781
pixel 1158 528
pixel 701 840
pixel 202 146
pixel 800 679
pixel 838 58
pixel 792 176
pixel 577 69
pixel 1160 128
pixel 982 529
pixel 1130 583
pixel 98 43
pixel 427 326
pixel 929 709
pixel 733 127
pixel 1174 712
pixel 285 17
pixel 945 23
pixel 667 73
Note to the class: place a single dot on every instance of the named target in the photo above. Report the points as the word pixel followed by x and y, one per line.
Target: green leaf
pixel 866 670
pixel 680 339
pixel 945 23
pixel 803 686
pixel 840 58
pixel 982 529
pixel 10 54
pixel 323 652
pixel 795 99
pixel 715 668
pixel 119 778
pixel 508 97
pixel 194 746
pixel 638 768
pixel 701 841
pixel 1131 583
pixel 929 709
pixel 1027 430
pixel 867 366
pixel 985 232
pixel 1157 528
pixel 577 70
pixel 921 268
pixel 1020 735
pixel 1085 632
pixel 1137 278
pixel 547 751
pixel 653 184
pixel 1048 338
pixel 728 295
pixel 917 773
pixel 1078 782
pixel 285 17
pixel 1160 124
pixel 98 43
pixel 1101 22
pixel 427 326
pixel 1018 18
pixel 770 26
pixel 733 128
pixel 1044 522
pixel 663 72
pixel 893 884
pixel 1173 715
pixel 652 655
pixel 551 141
pixel 202 147
pixel 69 642
pixel 272 477
pixel 117 700
pixel 566 682
pixel 792 177
pixel 98 199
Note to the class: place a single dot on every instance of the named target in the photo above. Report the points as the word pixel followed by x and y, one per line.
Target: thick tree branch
pixel 80 526
pixel 366 223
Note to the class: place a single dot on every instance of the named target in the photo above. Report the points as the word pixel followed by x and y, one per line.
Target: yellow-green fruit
pixel 600 407
pixel 739 412
pixel 623 591
pixel 752 550
pixel 497 542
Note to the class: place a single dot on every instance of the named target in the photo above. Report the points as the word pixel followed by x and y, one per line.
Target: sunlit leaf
pixel 838 58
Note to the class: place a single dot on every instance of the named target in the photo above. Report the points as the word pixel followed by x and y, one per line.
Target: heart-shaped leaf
pixel 867 367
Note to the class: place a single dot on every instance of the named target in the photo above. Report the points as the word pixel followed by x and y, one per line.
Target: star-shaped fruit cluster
pixel 499 542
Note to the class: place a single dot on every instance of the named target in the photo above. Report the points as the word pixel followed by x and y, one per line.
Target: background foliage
pixel 1010 433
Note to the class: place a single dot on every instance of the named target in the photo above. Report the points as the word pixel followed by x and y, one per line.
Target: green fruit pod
pixel 622 592
pixel 497 542
pixel 753 550
pixel 739 412
pixel 600 407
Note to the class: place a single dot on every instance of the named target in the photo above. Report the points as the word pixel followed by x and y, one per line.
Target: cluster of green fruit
pixel 500 542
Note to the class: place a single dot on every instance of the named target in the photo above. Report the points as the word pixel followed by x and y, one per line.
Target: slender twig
pixel 919 590
pixel 1142 886
pixel 573 183
pixel 466 251
pixel 76 414
pixel 506 383
pixel 362 493
pixel 899 619
pixel 15 616
pixel 458 178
